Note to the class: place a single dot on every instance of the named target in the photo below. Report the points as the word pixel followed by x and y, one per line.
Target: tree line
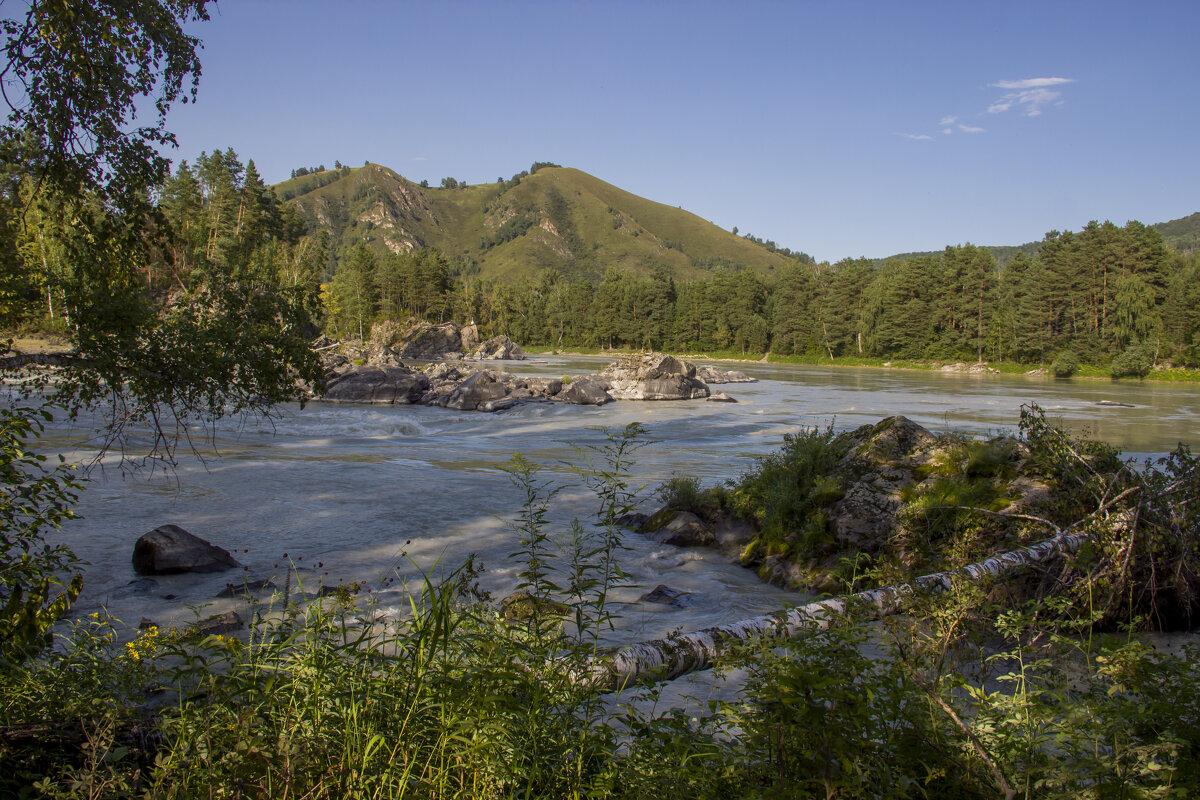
pixel 1088 296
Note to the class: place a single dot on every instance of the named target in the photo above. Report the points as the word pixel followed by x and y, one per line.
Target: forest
pixel 1105 294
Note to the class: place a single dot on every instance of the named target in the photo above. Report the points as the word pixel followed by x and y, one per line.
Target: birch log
pixel 664 659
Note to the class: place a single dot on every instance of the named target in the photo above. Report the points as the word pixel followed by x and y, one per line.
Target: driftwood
pixel 665 659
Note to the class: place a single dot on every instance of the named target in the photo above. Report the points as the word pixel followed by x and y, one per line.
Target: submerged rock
pixel 665 595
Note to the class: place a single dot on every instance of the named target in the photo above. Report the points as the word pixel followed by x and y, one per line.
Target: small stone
pixel 219 623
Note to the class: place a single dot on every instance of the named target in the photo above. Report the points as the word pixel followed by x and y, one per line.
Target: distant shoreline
pixel 1009 368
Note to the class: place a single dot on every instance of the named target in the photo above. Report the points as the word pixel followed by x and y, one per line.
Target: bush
pixel 785 491
pixel 1136 362
pixel 681 492
pixel 1065 365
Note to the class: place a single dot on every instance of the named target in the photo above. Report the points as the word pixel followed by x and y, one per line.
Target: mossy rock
pixel 521 606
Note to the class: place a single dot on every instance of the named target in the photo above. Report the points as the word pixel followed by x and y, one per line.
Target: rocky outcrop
pixel 392 343
pixel 713 375
pixel 498 348
pixel 480 392
pixel 685 529
pixel 653 376
pixel 881 462
pixel 428 342
pixel 169 550
pixel 454 384
pixel 586 391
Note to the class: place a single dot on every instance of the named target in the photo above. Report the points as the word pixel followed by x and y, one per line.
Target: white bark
pixel 665 659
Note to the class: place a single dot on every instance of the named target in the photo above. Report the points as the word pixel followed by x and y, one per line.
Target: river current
pixel 375 494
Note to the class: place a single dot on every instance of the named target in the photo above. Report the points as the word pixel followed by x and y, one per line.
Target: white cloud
pixel 920 137
pixel 947 131
pixel 1031 83
pixel 1031 95
pixel 948 120
pixel 420 158
pixel 970 129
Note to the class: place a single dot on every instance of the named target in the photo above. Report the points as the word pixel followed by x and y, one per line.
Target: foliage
pixel 34 501
pixel 1136 362
pixel 681 492
pixel 958 698
pixel 785 492
pixel 1065 365
pixel 166 330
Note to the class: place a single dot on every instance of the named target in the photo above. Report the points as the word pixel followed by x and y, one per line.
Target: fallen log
pixel 669 658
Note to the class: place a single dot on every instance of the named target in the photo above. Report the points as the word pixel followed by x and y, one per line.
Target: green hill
pixel 1181 234
pixel 556 218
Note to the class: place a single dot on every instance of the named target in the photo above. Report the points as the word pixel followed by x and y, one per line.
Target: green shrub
pixel 1136 362
pixel 1065 365
pixel 785 489
pixel 681 492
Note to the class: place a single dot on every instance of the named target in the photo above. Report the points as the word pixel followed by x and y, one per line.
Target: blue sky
pixel 836 128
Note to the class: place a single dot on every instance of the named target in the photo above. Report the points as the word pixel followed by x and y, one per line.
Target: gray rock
pixel 169 549
pixel 713 375
pixel 720 397
pixel 653 376
pixel 633 521
pixel 228 622
pixel 499 348
pixel 480 392
pixel 247 588
pixel 665 595
pixel 585 391
pixel 425 341
pixel 685 530
pixel 386 385
pixel 733 534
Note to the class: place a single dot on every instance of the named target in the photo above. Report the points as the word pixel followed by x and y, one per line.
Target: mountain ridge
pixel 557 218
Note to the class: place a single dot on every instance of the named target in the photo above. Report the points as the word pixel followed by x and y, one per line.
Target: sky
pixel 841 129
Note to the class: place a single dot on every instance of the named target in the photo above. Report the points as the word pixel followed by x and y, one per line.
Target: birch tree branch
pixel 665 659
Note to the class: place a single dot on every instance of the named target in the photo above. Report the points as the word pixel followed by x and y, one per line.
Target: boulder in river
pixel 499 348
pixel 169 549
pixel 713 375
pixel 388 385
pixel 684 529
pixel 585 391
pixel 653 376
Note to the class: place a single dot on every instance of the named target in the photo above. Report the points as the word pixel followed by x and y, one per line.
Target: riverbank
pixel 1085 372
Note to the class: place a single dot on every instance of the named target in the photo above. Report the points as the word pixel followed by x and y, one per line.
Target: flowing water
pixel 375 494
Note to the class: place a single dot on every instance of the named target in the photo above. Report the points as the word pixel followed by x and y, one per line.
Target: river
pixel 373 494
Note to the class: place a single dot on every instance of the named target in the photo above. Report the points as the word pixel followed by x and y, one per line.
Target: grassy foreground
pixel 971 694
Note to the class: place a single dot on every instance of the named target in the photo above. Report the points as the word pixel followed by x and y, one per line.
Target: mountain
pixel 557 218
pixel 1181 234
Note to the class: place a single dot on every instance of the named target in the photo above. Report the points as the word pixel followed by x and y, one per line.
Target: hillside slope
pixel 557 218
pixel 1182 234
